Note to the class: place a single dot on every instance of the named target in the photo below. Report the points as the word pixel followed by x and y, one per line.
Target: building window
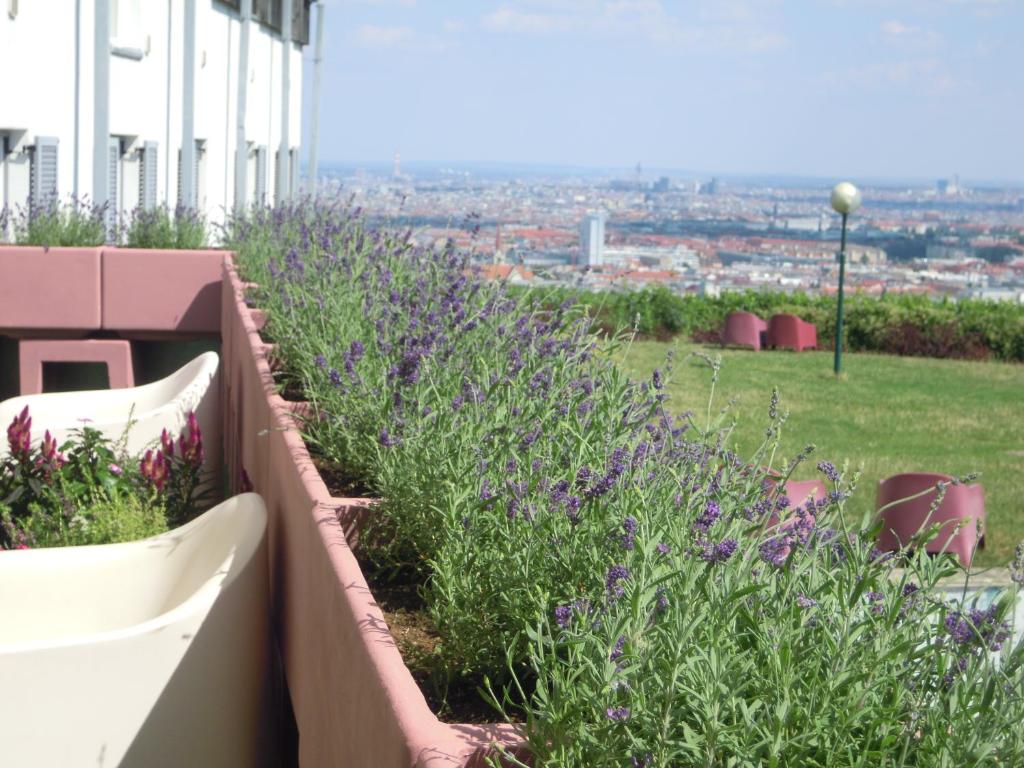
pixel 198 177
pixel 43 170
pixel 148 175
pixel 294 168
pixel 260 176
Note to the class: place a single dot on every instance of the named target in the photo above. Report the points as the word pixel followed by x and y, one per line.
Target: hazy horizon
pixel 500 167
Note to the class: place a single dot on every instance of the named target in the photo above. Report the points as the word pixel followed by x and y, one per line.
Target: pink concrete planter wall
pixel 50 288
pixel 161 290
pixel 355 701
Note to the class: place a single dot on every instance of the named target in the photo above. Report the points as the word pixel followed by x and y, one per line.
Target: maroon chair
pixel 790 331
pixel 745 330
pixel 963 506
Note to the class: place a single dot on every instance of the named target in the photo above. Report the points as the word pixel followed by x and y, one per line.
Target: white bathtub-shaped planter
pixel 150 653
pixel 152 408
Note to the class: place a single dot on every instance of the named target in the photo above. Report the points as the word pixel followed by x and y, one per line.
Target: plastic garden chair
pixel 792 332
pixel 150 408
pixel 961 513
pixel 744 329
pixel 173 630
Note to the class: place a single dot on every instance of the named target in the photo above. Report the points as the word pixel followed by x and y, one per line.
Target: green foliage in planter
pixel 182 229
pixel 88 490
pixel 74 223
pixel 612 568
pixel 102 521
pixel 893 324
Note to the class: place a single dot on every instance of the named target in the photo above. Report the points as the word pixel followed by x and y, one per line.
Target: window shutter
pixel 261 175
pixel 294 192
pixel 195 173
pixel 147 176
pixel 113 198
pixel 44 170
pixel 278 191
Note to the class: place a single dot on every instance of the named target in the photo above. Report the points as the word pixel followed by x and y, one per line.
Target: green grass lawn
pixel 888 415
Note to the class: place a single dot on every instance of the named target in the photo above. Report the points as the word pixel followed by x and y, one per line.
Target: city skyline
pixel 884 89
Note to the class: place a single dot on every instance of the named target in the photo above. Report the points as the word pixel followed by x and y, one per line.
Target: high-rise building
pixel 592 239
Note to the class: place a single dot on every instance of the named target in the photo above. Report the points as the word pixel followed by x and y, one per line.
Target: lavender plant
pixel 76 222
pixel 635 591
pixel 183 228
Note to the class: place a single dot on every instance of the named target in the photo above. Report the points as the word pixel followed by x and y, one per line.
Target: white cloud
pixel 376 3
pixel 508 19
pixel 376 36
pixel 897 33
pixel 916 75
pixel 736 26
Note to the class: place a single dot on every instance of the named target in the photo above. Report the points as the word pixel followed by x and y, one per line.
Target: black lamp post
pixel 845 200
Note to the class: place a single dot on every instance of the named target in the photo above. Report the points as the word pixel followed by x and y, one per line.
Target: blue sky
pixel 859 88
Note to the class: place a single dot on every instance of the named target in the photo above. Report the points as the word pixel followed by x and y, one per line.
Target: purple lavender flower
pixel 618 714
pixel 334 377
pixel 775 550
pixel 387 439
pixel 661 603
pixel 804 601
pixel 629 526
pixel 663 548
pixel 616 574
pixel 616 653
pixel 828 469
pixel 572 508
pixel 656 380
pixel 708 517
pixel 321 361
pixel 563 616
pixel 1017 565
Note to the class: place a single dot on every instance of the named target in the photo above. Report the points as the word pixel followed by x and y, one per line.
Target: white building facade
pixel 592 240
pixel 140 103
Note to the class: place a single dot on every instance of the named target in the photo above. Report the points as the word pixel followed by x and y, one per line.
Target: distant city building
pixel 592 240
pixel 946 187
pixel 661 185
pixel 711 188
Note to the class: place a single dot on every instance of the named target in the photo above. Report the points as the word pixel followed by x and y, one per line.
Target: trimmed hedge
pixel 896 324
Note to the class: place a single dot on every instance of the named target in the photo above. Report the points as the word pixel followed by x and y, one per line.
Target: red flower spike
pixel 167 444
pixel 19 434
pixel 146 465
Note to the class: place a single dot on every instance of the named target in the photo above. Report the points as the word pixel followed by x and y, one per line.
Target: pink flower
pixel 190 442
pixel 19 435
pixel 115 469
pixel 167 444
pixel 155 469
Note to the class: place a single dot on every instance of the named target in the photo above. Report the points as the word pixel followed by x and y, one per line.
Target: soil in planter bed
pixel 339 483
pixel 456 701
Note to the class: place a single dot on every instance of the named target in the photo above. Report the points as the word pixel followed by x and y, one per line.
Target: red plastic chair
pixel 745 330
pixel 790 331
pixel 963 506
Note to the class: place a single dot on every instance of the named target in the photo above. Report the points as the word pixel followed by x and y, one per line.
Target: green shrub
pixel 892 324
pixel 100 520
